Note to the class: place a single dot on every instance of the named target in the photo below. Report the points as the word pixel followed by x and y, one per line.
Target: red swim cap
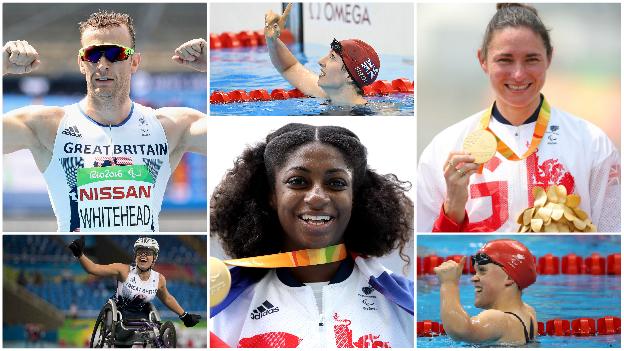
pixel 360 59
pixel 515 259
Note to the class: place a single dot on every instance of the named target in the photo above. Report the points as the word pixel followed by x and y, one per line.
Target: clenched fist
pixel 19 57
pixel 193 53
pixel 450 271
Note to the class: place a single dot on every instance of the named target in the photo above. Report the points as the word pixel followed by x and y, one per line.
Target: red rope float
pixel 548 264
pixel 608 325
pixel 246 38
pixel 379 87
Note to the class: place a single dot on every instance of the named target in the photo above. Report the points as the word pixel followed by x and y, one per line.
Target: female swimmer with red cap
pixel 348 67
pixel 503 269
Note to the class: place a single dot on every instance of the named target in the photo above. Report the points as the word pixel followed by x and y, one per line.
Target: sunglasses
pixel 112 52
pixel 482 258
pixel 144 253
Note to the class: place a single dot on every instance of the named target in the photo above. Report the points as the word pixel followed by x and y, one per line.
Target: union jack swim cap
pixel 360 59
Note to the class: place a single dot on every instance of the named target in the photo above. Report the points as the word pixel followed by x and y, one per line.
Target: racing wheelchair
pixel 112 329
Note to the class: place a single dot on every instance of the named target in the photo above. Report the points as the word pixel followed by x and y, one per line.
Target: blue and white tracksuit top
pixel 363 306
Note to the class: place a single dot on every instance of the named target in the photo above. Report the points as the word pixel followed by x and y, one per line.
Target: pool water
pixel 251 68
pixel 553 296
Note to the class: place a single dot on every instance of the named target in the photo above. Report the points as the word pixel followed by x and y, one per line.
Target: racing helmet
pixel 147 243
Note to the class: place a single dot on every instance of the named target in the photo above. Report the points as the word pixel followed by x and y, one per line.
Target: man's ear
pixel 80 63
pixel 136 60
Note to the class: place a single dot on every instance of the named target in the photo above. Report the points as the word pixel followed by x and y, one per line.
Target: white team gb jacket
pixel 573 153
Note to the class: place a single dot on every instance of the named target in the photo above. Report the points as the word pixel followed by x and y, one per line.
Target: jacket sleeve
pixel 604 187
pixel 446 225
pixel 430 190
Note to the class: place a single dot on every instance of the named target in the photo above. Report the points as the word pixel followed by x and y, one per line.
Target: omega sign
pixel 339 12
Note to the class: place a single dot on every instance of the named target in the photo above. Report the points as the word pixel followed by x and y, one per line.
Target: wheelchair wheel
pixel 168 335
pixel 104 331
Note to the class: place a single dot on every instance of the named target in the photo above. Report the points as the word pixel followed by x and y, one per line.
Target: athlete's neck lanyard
pixel 538 133
pixel 300 258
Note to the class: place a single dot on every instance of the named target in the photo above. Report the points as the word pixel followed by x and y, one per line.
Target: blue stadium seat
pixel 192 297
pixel 63 280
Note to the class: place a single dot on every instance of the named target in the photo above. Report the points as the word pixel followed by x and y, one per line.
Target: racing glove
pixel 77 246
pixel 190 319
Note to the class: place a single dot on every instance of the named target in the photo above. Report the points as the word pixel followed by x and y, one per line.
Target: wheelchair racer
pixel 137 285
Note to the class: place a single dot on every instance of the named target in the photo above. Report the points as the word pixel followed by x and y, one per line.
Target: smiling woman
pixel 534 145
pixel 313 197
pixel 310 188
pixel 137 286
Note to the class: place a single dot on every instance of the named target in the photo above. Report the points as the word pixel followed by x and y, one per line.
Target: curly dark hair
pixel 243 219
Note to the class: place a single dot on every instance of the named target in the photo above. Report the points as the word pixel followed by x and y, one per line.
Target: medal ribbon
pixel 538 133
pixel 300 258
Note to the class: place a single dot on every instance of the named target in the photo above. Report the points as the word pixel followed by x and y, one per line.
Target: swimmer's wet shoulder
pixel 495 327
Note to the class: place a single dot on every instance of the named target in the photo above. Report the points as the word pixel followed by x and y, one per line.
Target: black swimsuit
pixel 528 336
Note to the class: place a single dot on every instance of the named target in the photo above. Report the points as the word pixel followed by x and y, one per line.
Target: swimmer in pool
pixel 348 67
pixel 503 269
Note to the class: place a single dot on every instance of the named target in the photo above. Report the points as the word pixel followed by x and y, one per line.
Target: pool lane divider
pixel 246 38
pixel 608 325
pixel 379 87
pixel 595 264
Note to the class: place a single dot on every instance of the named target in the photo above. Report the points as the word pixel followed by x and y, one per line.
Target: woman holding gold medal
pixel 518 164
pixel 304 217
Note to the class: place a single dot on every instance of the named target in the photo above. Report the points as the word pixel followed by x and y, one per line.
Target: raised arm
pixel 193 53
pixel 19 57
pixel 33 128
pixel 484 328
pixel 284 61
pixel 195 140
pixel 168 300
pixel 19 129
pixel 185 127
pixel 30 127
pixel 117 270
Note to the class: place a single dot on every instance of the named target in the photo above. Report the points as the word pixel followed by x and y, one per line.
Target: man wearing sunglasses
pixel 348 67
pixel 504 268
pixel 106 160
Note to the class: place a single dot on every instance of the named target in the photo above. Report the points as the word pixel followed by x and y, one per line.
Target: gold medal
pixel 481 144
pixel 220 281
pixel 555 211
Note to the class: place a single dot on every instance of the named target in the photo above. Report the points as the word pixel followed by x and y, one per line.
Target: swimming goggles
pixel 112 52
pixel 481 258
pixel 336 46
